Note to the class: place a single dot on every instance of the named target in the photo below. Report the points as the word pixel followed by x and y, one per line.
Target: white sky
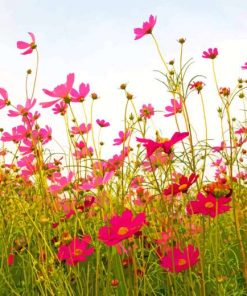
pixel 95 40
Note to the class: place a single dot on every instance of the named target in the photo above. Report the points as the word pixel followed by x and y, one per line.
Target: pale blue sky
pixel 95 40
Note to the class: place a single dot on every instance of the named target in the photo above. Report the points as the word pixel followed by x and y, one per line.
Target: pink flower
pixel 29 46
pixel 244 67
pixel 80 96
pixel 122 138
pixel 177 260
pixel 5 101
pixel 176 107
pixel 62 182
pixel 60 108
pixel 96 181
pixel 208 205
pixel 82 151
pixel 151 146
pixel 82 129
pixel 147 111
pixel 76 251
pixel 11 258
pixel 147 28
pixel 219 148
pixel 210 54
pixel 122 227
pixel 156 160
pixel 102 123
pixel 23 110
pixel 62 92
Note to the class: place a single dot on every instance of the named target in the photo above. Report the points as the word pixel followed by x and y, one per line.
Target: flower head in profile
pixel 210 54
pixel 76 251
pixel 102 123
pixel 166 145
pixel 122 137
pixel 176 107
pixel 208 205
pixel 61 92
pixel 28 46
pixel 80 95
pixel 5 99
pixel 122 227
pixel 177 260
pixel 23 110
pixel 147 28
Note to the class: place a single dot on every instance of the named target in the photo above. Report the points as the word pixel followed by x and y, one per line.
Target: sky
pixel 95 40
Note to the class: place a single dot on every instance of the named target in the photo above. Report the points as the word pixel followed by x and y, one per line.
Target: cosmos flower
pixel 5 100
pixel 183 185
pixel 166 145
pixel 122 137
pixel 76 251
pixel 147 111
pixel 102 123
pixel 208 205
pixel 147 28
pixel 210 54
pixel 177 260
pixel 176 107
pixel 121 227
pixel 28 46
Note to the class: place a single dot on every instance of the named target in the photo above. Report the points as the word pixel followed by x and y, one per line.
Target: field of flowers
pixel 163 216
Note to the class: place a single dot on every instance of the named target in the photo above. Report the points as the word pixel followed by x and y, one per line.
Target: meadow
pixel 163 216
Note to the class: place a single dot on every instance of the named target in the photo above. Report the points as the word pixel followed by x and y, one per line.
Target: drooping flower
pixel 61 92
pixel 208 205
pixel 147 28
pixel 166 145
pixel 176 107
pixel 177 260
pixel 183 185
pixel 5 99
pixel 25 45
pixel 122 137
pixel 210 54
pixel 102 123
pixel 147 111
pixel 122 227
pixel 76 251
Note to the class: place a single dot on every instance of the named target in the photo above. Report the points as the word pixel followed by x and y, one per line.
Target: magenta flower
pixel 102 123
pixel 122 227
pixel 122 138
pixel 82 151
pixel 244 67
pixel 151 146
pixel 29 46
pixel 147 111
pixel 79 96
pixel 176 107
pixel 60 108
pixel 23 110
pixel 61 92
pixel 210 54
pixel 208 205
pixel 76 251
pixel 5 101
pixel 177 260
pixel 147 28
pixel 182 186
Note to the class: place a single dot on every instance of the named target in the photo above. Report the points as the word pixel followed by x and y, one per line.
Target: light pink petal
pixel 30 50
pixel 4 93
pixel 48 104
pixel 32 36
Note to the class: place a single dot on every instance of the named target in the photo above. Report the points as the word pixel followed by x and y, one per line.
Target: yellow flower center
pixel 183 187
pixel 209 205
pixel 122 230
pixel 181 262
pixel 77 252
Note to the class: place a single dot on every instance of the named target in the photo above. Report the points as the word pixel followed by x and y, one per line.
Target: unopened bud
pixel 181 40
pixel 123 86
pixel 94 96
pixel 29 71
